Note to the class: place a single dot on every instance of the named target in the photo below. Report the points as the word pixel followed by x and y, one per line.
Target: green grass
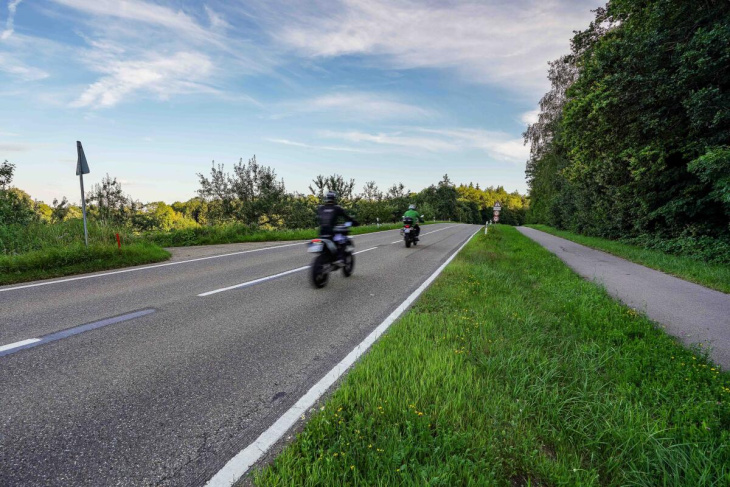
pixel 75 259
pixel 715 276
pixel 511 370
pixel 17 239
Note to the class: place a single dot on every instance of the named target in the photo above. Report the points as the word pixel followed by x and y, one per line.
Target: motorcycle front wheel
pixel 319 275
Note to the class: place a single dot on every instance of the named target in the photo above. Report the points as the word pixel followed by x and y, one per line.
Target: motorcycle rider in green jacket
pixel 412 213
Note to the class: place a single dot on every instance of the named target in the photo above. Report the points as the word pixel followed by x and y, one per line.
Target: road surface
pixel 688 311
pixel 133 378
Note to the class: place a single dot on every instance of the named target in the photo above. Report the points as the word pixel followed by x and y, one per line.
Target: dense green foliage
pixel 511 370
pixel 634 137
pixel 688 267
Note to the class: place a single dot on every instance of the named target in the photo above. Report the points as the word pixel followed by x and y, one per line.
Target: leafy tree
pixel 338 184
pixel 252 194
pixel 634 136
pixel 59 210
pixel 6 175
pixel 108 203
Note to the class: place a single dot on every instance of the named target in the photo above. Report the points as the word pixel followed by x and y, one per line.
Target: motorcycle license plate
pixel 315 247
pixel 407 230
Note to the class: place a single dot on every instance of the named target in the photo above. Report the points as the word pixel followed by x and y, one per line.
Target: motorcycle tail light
pixel 408 226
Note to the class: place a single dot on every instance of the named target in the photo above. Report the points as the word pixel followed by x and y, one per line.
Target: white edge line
pixel 246 458
pixel 134 269
pixel 22 343
pixel 255 281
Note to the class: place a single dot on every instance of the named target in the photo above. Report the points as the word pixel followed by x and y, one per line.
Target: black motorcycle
pixel 328 250
pixel 409 232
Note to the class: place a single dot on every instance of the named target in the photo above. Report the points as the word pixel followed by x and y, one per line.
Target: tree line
pixel 252 194
pixel 633 139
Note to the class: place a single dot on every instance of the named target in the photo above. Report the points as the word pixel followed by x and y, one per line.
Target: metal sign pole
pixel 82 167
pixel 83 209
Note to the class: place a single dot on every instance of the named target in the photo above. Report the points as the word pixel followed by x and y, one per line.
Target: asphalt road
pixel 168 395
pixel 688 311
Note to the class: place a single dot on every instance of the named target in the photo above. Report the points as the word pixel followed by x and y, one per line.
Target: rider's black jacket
pixel 328 215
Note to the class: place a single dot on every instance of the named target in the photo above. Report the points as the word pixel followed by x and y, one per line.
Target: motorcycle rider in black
pixel 328 216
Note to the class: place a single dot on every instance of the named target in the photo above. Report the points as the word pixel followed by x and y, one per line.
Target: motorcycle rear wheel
pixel 349 265
pixel 408 243
pixel 319 275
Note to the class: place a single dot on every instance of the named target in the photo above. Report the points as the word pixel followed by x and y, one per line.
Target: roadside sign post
pixel 82 167
pixel 496 209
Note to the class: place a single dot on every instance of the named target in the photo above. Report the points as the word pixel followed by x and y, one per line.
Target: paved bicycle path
pixel 690 312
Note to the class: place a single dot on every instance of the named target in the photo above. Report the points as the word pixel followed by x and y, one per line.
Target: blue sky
pixel 383 90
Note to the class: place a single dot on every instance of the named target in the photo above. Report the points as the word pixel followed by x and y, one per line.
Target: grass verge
pixel 511 370
pixel 75 259
pixel 715 276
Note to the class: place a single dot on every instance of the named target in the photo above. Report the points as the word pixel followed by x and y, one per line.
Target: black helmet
pixel 330 198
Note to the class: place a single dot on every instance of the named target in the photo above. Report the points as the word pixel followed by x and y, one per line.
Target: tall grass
pixel 75 258
pixel 16 239
pixel 513 371
pixel 695 269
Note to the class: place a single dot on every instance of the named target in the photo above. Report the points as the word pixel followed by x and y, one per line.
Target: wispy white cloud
pixel 500 146
pixel 18 69
pixel 14 148
pixel 359 105
pixel 394 139
pixel 132 48
pixel 315 147
pixel 503 43
pixel 10 22
pixel 216 20
pixel 180 73
pixel 138 10
pixel 531 117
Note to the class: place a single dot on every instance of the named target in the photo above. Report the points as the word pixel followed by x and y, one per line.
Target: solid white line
pixel 23 343
pixel 255 281
pixel 134 269
pixel 239 465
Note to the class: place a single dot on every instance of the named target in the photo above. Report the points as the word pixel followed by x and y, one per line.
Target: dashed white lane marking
pixel 21 343
pixel 255 281
pixel 267 278
pixel 246 458
pixel 59 335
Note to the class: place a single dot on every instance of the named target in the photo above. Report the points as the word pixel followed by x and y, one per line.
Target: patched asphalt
pixel 168 398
